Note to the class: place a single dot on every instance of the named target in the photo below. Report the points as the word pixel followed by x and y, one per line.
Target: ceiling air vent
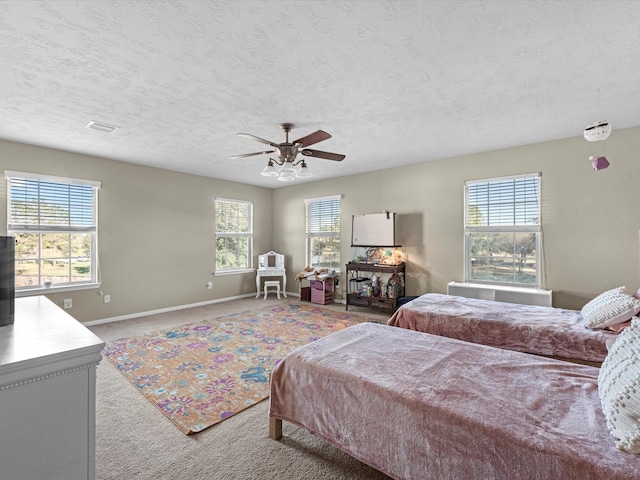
pixel 101 127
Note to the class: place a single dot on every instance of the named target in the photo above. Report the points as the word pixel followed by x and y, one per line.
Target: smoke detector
pixel 597 131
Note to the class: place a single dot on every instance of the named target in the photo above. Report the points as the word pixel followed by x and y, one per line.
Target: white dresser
pixel 47 394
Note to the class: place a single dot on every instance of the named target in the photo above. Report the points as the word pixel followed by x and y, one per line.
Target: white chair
pixel 271 283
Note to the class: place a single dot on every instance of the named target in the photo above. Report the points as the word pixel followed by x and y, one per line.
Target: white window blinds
pixel 503 202
pixel 54 221
pixel 323 215
pixel 44 205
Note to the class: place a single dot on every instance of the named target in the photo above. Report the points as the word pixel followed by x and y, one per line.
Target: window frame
pixel 234 234
pixel 16 228
pixel 515 227
pixel 310 235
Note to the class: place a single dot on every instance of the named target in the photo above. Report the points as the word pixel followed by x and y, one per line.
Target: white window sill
pixel 28 292
pixel 233 272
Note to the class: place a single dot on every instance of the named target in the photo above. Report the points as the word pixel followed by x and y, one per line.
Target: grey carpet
pixel 134 441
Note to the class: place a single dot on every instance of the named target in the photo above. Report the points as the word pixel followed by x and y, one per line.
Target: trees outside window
pixel 54 221
pixel 322 232
pixel 502 231
pixel 234 235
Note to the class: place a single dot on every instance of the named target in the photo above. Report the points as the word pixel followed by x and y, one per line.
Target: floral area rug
pixel 202 373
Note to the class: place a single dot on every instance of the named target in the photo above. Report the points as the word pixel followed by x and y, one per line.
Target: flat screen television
pixel 374 230
pixel 7 280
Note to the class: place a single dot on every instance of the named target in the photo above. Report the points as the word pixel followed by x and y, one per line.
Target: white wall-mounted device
pixel 597 131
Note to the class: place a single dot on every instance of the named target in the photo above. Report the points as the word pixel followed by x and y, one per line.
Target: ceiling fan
pixel 288 151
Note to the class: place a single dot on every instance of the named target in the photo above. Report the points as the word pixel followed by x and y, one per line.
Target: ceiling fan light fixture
pixel 304 171
pixel 286 178
pixel 288 169
pixel 270 170
pixel 287 152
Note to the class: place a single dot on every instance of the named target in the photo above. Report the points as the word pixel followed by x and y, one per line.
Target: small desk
pixel 271 272
pixel 271 264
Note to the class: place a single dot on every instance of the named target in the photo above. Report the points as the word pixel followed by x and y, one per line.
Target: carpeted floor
pixel 134 441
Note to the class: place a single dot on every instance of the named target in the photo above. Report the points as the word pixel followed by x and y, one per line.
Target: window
pixel 323 232
pixel 234 235
pixel 502 231
pixel 55 223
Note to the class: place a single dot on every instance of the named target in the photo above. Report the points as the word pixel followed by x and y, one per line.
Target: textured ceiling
pixel 394 82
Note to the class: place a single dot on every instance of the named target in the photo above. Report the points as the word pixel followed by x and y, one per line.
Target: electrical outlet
pixel 106 298
pixel 68 303
pixel 209 285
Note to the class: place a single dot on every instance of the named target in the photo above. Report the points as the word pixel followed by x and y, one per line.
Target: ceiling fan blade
pixel 315 137
pixel 251 154
pixel 262 140
pixel 319 154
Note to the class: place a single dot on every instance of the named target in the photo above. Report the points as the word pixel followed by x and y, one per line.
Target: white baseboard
pixel 182 307
pixel 168 309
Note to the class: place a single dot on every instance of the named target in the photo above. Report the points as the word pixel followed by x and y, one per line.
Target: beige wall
pixel 156 231
pixel 590 219
pixel 156 237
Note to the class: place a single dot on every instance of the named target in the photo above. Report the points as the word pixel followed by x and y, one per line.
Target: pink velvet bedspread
pixel 417 406
pixel 525 328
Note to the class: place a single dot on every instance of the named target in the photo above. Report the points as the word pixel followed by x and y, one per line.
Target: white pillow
pixel 610 308
pixel 619 388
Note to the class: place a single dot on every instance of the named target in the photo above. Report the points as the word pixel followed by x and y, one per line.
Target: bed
pixel 420 406
pixel 548 331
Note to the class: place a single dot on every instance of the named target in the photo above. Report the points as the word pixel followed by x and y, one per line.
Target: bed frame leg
pixel 275 428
